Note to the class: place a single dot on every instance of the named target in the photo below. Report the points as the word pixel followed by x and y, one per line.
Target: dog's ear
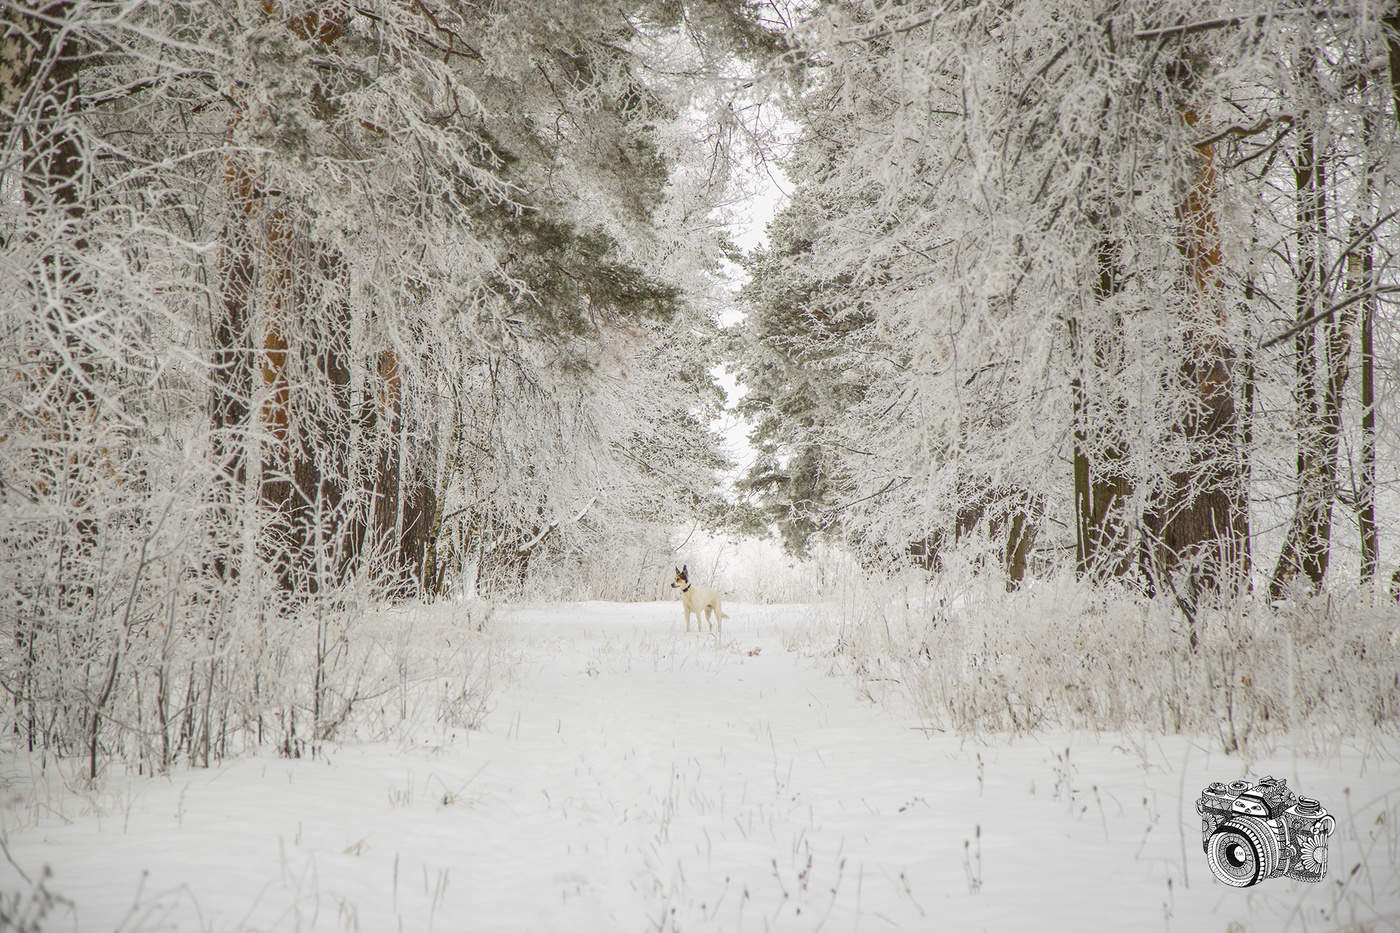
pixel 684 569
pixel 678 571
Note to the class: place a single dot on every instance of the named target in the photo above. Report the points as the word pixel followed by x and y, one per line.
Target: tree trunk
pixel 286 296
pixel 1390 24
pixel 1021 532
pixel 232 373
pixel 279 313
pixel 1338 330
pixel 1366 491
pixel 1246 441
pixel 1201 521
pixel 436 564
pixel 1391 28
pixel 52 174
pixel 385 480
pixel 41 62
pixel 302 330
pixel 1366 480
pixel 321 454
pixel 1305 549
pixel 1102 486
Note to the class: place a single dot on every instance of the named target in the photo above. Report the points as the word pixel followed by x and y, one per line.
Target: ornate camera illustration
pixel 1264 830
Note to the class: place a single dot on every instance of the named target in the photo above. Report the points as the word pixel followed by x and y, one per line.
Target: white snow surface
pixel 630 776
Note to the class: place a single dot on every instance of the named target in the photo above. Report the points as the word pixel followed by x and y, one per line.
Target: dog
pixel 699 601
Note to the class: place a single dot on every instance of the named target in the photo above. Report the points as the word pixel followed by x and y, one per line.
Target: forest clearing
pixel 379 378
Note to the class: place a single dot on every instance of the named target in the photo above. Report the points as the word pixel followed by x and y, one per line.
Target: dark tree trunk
pixel 41 64
pixel 420 504
pixel 1391 27
pixel 1021 532
pixel 402 493
pixel 232 374
pixel 286 314
pixel 1246 442
pixel 1366 480
pixel 1366 491
pixel 1011 516
pixel 385 480
pixel 321 454
pixel 53 179
pixel 1306 546
pixel 1102 486
pixel 1201 521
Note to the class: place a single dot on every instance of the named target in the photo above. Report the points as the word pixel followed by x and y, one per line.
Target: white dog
pixel 699 601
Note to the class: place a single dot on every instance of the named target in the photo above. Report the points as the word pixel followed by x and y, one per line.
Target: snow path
pixel 632 777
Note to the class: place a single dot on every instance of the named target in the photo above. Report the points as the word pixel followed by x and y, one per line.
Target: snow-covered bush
pixel 1058 653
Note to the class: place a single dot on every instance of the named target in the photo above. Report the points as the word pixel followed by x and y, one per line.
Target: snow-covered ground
pixel 632 777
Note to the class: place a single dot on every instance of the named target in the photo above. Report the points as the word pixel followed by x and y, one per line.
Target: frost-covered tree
pixel 311 303
pixel 1068 234
pixel 791 360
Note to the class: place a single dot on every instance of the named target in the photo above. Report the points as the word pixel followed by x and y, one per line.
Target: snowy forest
pixel 1063 338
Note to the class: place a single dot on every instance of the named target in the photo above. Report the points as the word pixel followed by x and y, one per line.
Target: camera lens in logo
pixel 1242 852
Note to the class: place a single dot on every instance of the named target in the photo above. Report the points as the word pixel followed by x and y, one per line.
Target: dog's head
pixel 682 578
